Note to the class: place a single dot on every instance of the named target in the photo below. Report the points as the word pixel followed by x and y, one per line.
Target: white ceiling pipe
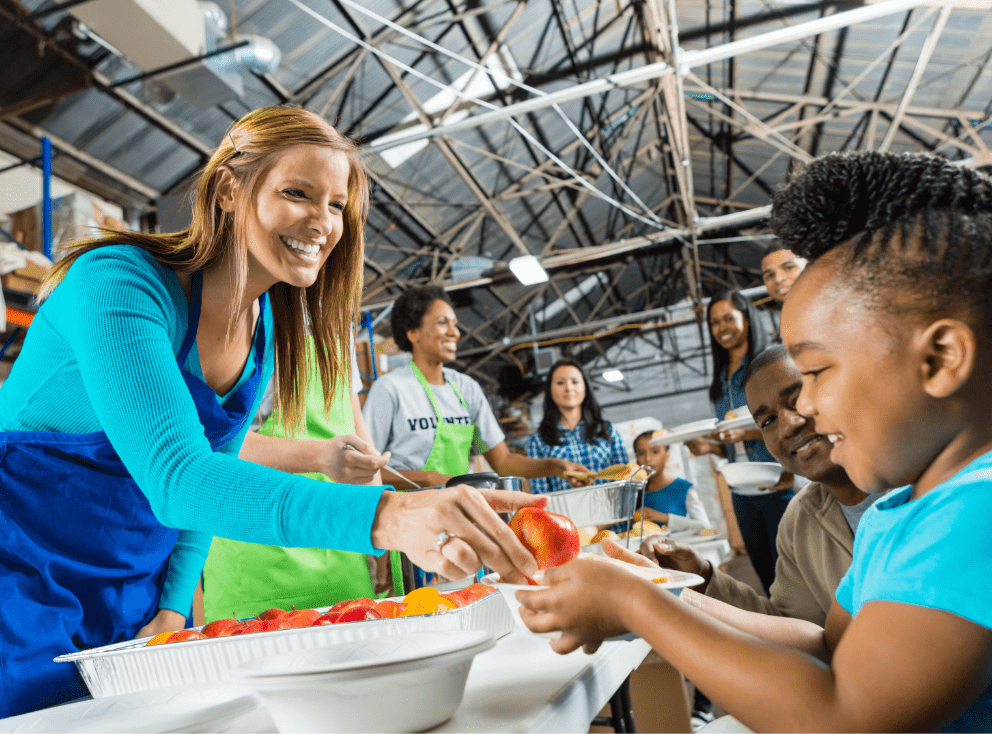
pixel 687 60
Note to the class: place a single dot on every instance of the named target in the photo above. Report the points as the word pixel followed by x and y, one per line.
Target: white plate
pixel 492 579
pixel 751 474
pixel 733 424
pixel 679 580
pixel 686 432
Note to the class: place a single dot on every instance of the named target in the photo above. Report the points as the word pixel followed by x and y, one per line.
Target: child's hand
pixel 583 602
pixel 677 556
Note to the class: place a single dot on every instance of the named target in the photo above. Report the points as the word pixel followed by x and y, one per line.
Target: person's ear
pixel 949 350
pixel 227 189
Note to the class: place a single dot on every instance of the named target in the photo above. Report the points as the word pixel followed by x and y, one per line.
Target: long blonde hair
pixel 327 309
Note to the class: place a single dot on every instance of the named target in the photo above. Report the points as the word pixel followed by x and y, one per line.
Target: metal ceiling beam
pixel 96 164
pixel 603 252
pixel 888 107
pixel 106 85
pixel 678 312
pixel 687 60
pixel 921 64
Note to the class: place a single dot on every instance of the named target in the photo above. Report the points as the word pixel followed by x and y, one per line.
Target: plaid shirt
pixel 593 456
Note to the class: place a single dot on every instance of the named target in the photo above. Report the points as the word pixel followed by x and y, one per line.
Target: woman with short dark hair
pixel 430 417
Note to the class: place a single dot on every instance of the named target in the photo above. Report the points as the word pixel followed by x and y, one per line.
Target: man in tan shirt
pixel 816 534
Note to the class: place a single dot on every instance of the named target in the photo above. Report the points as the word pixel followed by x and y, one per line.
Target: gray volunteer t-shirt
pixel 401 419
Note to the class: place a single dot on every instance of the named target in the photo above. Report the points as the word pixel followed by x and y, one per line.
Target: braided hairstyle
pixel 911 232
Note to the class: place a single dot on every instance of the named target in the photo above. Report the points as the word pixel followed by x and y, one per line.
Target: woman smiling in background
pixel 573 428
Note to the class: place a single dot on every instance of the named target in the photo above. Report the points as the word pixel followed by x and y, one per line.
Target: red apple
pixel 217 627
pixel 234 629
pixel 270 625
pixel 274 613
pixel 552 539
pixel 302 617
pixel 250 626
pixel 327 617
pixel 349 603
pixel 359 613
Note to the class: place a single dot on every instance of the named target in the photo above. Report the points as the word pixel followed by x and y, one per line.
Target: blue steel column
pixel 367 323
pixel 46 196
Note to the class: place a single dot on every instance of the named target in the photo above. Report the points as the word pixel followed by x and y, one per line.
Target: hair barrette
pixel 233 144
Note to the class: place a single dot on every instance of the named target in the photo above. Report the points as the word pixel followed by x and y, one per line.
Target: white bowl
pixel 751 474
pixel 401 683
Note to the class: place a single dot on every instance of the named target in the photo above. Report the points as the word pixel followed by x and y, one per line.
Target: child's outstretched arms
pixel 899 667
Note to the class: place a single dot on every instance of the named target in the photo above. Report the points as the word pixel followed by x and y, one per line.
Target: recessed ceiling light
pixel 613 375
pixel 528 270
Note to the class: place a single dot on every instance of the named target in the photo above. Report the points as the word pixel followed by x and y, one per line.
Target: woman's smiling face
pixel 435 341
pixel 860 383
pixel 297 218
pixel 728 325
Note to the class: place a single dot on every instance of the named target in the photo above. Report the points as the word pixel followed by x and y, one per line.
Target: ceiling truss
pixel 632 147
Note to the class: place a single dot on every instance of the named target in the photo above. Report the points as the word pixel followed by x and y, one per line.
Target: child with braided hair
pixel 891 327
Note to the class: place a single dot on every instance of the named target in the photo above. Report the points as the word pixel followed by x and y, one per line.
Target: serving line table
pixel 520 685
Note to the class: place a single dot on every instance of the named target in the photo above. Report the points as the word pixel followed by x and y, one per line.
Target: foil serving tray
pixel 127 667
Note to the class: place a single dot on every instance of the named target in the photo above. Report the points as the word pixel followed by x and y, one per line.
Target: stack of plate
pixel 400 683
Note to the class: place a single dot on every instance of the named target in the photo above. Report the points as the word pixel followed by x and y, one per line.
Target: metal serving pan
pixel 598 504
pixel 130 666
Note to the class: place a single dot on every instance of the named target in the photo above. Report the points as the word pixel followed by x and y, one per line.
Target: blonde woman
pixel 121 420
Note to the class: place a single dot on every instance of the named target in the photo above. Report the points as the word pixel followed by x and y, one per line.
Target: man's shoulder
pixel 810 500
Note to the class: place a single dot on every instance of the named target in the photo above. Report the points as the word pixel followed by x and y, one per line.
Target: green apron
pixel 449 454
pixel 246 578
pixel 452 441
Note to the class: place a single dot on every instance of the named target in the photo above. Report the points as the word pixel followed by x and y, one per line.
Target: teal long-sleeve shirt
pixel 101 355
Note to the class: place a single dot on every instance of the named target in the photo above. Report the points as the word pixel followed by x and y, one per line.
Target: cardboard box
pixel 25 280
pixel 74 215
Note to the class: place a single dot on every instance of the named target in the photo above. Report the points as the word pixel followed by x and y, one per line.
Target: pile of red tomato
pixel 426 600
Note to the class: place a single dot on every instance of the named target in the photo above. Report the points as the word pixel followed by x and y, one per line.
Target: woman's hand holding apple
pixel 411 522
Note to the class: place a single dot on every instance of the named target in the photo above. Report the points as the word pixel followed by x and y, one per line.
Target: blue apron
pixel 82 556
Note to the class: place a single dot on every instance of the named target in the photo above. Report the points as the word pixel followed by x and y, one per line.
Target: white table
pixel 521 685
pixel 518 686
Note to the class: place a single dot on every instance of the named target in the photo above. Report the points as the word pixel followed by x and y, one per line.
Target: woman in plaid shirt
pixel 573 427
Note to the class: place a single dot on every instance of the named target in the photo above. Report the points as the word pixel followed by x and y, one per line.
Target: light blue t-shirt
pixel 925 552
